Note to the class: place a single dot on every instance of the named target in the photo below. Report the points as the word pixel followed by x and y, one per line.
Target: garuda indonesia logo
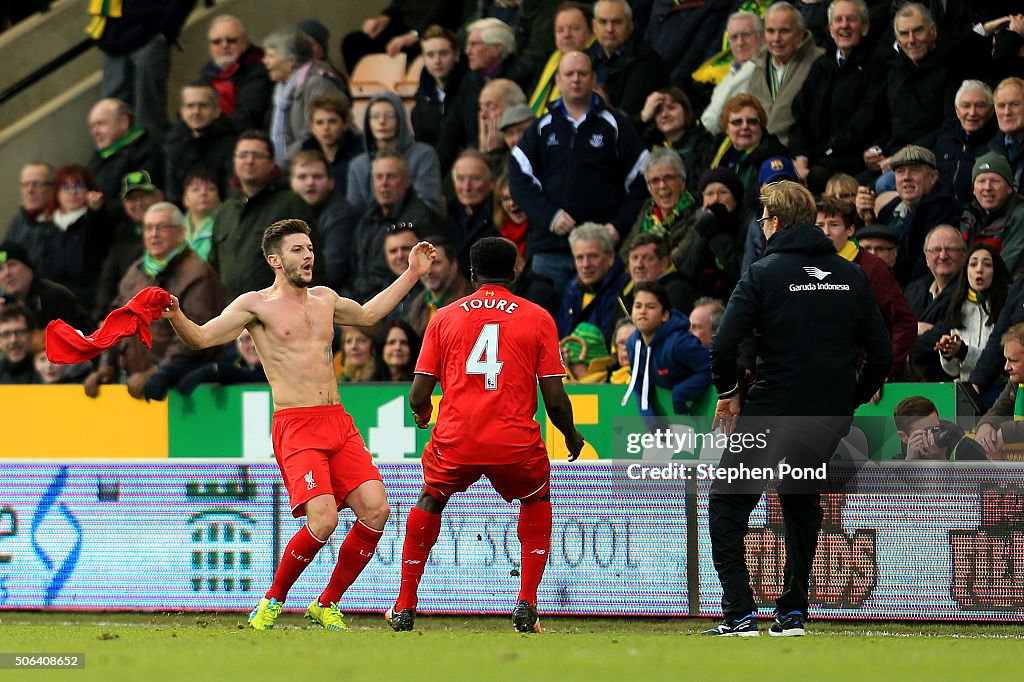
pixel 816 273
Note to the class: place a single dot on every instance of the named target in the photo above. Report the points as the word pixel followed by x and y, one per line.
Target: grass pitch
pixel 200 647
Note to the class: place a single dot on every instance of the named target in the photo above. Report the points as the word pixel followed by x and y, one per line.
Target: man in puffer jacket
pixel 665 353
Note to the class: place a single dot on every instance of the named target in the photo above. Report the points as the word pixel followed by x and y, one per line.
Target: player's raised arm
pixel 347 311
pixel 559 410
pixel 218 331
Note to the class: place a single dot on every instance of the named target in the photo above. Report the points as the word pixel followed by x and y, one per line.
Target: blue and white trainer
pixel 788 625
pixel 742 627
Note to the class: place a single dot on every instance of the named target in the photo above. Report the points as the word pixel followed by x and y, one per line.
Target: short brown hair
pixel 437 31
pixel 311 156
pixel 332 103
pixel 739 102
pixel 13 311
pixel 830 205
pixel 790 202
pixel 474 153
pixel 273 235
pixel 661 247
pixel 909 410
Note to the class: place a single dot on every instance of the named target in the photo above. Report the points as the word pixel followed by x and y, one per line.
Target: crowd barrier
pixel 907 543
pixel 233 423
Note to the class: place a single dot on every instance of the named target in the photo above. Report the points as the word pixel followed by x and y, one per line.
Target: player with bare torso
pixel 324 462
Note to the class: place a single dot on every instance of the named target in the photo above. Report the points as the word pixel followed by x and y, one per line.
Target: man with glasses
pixel 880 241
pixel 16 327
pixel 944 251
pixel 745 31
pixel 169 263
pixel 263 197
pixel 29 226
pixel 236 71
pixel 814 318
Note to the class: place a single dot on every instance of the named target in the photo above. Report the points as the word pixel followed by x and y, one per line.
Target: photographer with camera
pixel 924 436
pixel 1000 425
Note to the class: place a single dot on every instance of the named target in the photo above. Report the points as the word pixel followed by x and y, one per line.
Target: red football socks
pixel 356 552
pixel 421 531
pixel 300 551
pixel 535 538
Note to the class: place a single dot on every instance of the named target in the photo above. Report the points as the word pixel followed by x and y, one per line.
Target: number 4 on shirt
pixel 483 359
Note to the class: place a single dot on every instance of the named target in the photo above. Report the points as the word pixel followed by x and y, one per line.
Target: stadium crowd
pixel 621 145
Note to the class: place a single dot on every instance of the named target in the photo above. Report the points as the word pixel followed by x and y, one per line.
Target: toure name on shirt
pixel 819 286
pixel 490 304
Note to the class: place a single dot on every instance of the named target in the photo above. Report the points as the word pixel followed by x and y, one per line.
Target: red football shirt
pixel 487 350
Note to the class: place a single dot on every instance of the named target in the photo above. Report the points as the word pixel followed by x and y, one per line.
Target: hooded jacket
pixel 424 167
pixel 675 359
pixel 811 313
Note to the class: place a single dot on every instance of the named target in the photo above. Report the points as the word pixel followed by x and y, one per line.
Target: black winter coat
pixel 812 315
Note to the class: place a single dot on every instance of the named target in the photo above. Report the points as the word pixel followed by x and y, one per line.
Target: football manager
pixel 812 316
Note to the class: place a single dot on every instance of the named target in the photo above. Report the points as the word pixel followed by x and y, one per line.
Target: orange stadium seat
pixel 376 73
pixel 407 86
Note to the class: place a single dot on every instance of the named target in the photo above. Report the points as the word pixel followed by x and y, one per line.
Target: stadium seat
pixel 407 86
pixel 376 73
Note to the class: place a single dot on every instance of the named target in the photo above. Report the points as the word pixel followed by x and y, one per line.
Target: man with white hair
pixel 169 263
pixel 745 31
pixel 236 71
pixel 838 105
pixel 780 72
pixel 960 144
pixel 600 277
pixel 490 54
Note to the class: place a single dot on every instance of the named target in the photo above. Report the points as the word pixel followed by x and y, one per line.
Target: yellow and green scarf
pixel 100 11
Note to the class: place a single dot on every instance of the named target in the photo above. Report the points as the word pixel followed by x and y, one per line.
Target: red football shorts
pixel 320 452
pixel 527 479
